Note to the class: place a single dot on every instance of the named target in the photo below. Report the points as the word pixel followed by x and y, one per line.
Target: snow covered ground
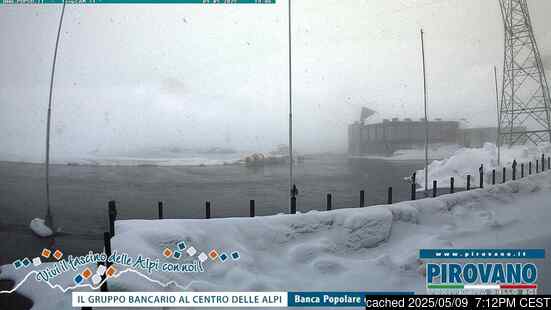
pixel 466 161
pixel 372 248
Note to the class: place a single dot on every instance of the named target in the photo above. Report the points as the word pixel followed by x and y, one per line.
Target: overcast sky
pixel 133 77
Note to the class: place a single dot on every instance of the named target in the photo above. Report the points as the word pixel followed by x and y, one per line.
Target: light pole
pixel 291 188
pixel 426 118
pixel 49 218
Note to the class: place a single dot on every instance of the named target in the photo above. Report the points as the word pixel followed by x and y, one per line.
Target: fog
pixel 137 77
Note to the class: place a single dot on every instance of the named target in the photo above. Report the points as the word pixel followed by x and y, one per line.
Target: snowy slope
pixel 467 161
pixel 373 248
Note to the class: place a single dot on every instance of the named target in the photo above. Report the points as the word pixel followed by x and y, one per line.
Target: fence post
pixel 530 168
pixel 522 170
pixel 451 185
pixel 493 176
pixel 107 248
pixel 362 198
pixel 537 166
pixel 542 162
pixel 389 196
pixel 434 188
pixel 468 182
pixel 413 184
pixel 548 162
pixel 251 208
pixel 293 205
pixel 504 177
pixel 481 175
pixel 514 169
pixel 207 209
pixel 160 206
pixel 112 216
pixel 329 202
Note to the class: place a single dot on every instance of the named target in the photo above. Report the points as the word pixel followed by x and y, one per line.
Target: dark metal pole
pixel 207 209
pixel 362 198
pixel 112 212
pixel 452 181
pixel 251 208
pixel 504 176
pixel 542 162
pixel 493 177
pixel 434 188
pixel 468 182
pixel 498 144
pixel 413 186
pixel 522 170
pixel 514 170
pixel 160 207
pixel 293 205
pixel 329 202
pixel 389 196
pixel 426 117
pixel 49 218
pixel 291 180
pixel 481 176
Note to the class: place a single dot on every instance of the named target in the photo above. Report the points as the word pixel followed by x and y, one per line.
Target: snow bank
pixel 372 248
pixel 466 161
pixel 38 226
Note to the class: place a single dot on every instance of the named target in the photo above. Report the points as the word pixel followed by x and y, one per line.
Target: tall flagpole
pixel 498 144
pixel 290 110
pixel 49 218
pixel 426 118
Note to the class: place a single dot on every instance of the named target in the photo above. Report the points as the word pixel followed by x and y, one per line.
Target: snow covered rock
pixel 38 226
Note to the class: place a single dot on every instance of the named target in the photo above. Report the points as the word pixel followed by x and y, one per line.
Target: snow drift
pixel 466 161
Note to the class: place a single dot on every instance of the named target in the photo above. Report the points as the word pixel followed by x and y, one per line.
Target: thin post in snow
pixel 522 170
pixel 112 212
pixel 252 208
pixel 389 195
pixel 530 168
pixel 481 176
pixel 434 188
pixel 413 186
pixel 493 177
pixel 207 209
pixel 329 200
pixel 514 167
pixel 452 180
pixel 362 198
pixel 504 175
pixel 160 209
pixel 468 181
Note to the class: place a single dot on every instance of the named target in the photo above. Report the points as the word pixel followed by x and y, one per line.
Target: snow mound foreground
pixel 372 248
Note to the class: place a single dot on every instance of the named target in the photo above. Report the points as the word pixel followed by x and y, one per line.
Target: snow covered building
pixel 390 135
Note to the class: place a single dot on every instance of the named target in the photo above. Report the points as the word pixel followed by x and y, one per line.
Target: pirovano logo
pixel 482 271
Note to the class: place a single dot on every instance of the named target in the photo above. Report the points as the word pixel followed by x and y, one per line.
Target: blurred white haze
pixel 131 78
